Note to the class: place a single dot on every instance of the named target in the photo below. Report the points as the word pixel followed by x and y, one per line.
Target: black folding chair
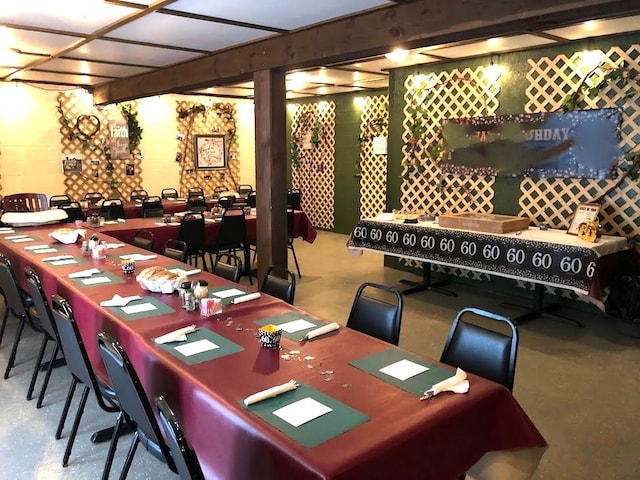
pixel 59 200
pixel 176 249
pixel 280 283
pixel 112 209
pixel 137 195
pixel 169 193
pixel 143 239
pixel 152 207
pixel 226 269
pixel 375 316
pixel 192 232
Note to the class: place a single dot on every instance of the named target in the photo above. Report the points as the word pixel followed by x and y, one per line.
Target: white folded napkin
pixel 15 237
pixel 271 392
pixel 84 273
pixel 114 245
pixel 118 301
pixel 456 384
pixel 6 230
pixel 180 271
pixel 122 220
pixel 246 298
pixel 179 335
pixel 57 257
pixel 330 327
pixel 36 247
pixel 138 257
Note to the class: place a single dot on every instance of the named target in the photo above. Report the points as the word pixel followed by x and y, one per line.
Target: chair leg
pixel 47 376
pixel 130 454
pixel 76 423
pixel 295 258
pixel 65 408
pixel 112 447
pixel 14 349
pixel 36 367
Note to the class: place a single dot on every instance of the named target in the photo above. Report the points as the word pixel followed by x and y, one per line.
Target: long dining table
pixel 356 413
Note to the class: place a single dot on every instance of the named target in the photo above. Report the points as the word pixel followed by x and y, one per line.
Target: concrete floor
pixel 578 385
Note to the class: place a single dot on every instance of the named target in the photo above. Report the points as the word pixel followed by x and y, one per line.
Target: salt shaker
pixel 187 298
pixel 201 290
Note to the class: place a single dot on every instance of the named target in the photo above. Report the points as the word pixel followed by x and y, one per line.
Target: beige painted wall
pixel 30 145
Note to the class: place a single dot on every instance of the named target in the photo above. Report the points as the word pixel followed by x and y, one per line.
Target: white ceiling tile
pixel 35 42
pixel 78 16
pixel 598 27
pixel 93 68
pixel 285 14
pixel 132 54
pixel 186 32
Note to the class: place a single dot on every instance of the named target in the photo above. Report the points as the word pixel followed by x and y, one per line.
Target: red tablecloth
pixel 162 232
pixel 134 209
pixel 404 438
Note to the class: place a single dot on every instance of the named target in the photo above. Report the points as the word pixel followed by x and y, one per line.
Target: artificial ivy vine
pixel 308 124
pixel 135 131
pixel 375 127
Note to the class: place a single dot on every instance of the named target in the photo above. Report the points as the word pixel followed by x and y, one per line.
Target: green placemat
pixel 43 250
pixel 340 419
pixel 416 384
pixel 68 262
pixel 201 339
pixel 97 280
pixel 297 336
pixel 160 309
pixel 227 300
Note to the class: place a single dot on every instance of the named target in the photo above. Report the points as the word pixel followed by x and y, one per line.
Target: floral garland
pixel 308 124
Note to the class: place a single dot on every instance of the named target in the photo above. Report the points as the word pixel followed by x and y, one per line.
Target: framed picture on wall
pixel 585 212
pixel 72 162
pixel 210 152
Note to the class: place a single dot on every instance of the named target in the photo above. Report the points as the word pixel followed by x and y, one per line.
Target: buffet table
pixel 545 257
pixel 376 428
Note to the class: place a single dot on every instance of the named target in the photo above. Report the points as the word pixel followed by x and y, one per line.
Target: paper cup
pixel 269 336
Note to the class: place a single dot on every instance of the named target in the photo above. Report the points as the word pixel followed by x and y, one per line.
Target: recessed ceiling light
pixel 397 55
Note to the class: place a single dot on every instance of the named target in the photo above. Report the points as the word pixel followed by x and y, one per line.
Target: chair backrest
pixel 226 201
pixel 230 268
pixel 169 193
pixel 131 395
pixel 74 212
pixel 218 190
pixel 251 200
pixel 294 197
pixel 152 207
pixel 280 283
pixel 9 287
pixel 73 347
pixel 93 197
pixel 196 203
pixel 375 316
pixel 112 209
pixel 233 230
pixel 25 202
pixel 176 249
pixel 143 239
pixel 192 231
pixel 181 451
pixel 139 195
pixel 485 352
pixel 45 316
pixel 195 192
pixel 59 200
pixel 245 189
pixel 290 223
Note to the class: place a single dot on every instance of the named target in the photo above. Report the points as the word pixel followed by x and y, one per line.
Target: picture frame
pixel 72 162
pixel 585 212
pixel 210 152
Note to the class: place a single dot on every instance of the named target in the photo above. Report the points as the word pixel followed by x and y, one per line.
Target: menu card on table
pixel 142 308
pixel 98 279
pixel 200 346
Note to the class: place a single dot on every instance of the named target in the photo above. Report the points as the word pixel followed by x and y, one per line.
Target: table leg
pixel 539 309
pixel 426 283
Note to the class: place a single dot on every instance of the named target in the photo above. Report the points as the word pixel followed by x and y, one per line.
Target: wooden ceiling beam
pixel 409 24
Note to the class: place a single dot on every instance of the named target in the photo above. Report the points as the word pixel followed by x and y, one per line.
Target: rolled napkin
pixel 271 392
pixel 180 271
pixel 58 257
pixel 456 384
pixel 84 273
pixel 246 298
pixel 118 301
pixel 114 245
pixel 330 327
pixel 179 335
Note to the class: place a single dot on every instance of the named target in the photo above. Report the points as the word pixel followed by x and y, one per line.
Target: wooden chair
pixel 25 202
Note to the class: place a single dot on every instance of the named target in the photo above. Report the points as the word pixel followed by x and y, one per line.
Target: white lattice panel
pixel 553 200
pixel 315 173
pixel 94 176
pixel 373 182
pixel 452 94
pixel 216 119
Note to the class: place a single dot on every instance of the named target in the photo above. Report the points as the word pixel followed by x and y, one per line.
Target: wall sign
pixel 72 162
pixel 119 140
pixel 577 144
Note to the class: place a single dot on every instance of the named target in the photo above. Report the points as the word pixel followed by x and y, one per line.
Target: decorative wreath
pixel 87 126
